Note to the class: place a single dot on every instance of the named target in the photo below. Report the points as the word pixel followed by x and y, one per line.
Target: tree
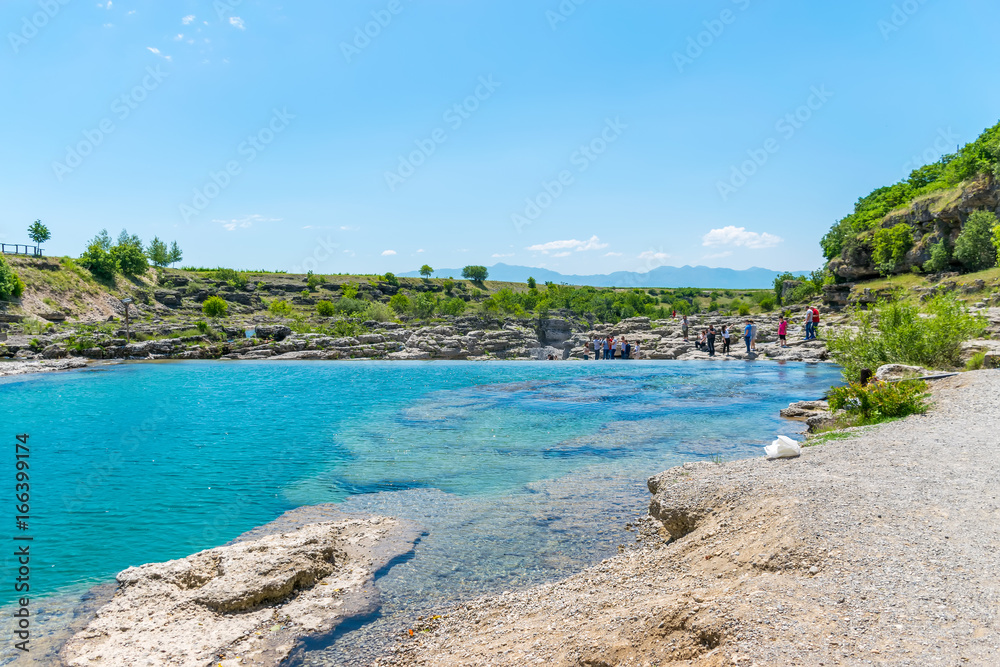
pixel 426 271
pixel 974 247
pixel 38 232
pixel 97 258
pixel 890 247
pixel 996 241
pixel 215 307
pixel 129 256
pixel 10 283
pixel 940 258
pixel 158 253
pixel 532 283
pixel 475 273
pixel 175 253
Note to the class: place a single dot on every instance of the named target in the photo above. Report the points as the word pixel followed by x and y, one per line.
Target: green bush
pixel 97 258
pixel 977 362
pixel 423 305
pixel 996 241
pixel 900 333
pixel 349 291
pixel 400 303
pixel 391 279
pixel 202 327
pixel 231 277
pixel 325 308
pixel 890 247
pixel 448 285
pixel 532 283
pixel 940 258
pixel 768 304
pixel 475 273
pixel 743 309
pixel 974 247
pixel 280 307
pixel 349 306
pixel 378 312
pixel 454 306
pixel 346 329
pixel 215 306
pixel 314 281
pixel 11 285
pixel 880 401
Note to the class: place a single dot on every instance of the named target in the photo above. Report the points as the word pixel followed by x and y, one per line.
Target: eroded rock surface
pixel 246 603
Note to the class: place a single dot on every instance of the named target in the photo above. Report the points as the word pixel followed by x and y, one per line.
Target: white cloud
pixel 388 253
pixel 739 236
pixel 421 250
pixel 156 51
pixel 612 254
pixel 565 253
pixel 179 37
pixel 498 255
pixel 244 223
pixel 653 255
pixel 237 22
pixel 188 20
pixel 593 243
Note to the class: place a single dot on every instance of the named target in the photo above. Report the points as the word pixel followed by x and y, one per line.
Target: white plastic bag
pixel 783 448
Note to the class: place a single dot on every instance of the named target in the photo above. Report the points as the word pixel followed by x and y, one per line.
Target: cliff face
pixel 933 217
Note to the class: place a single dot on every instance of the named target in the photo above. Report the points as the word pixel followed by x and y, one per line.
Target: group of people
pixel 607 348
pixel 707 339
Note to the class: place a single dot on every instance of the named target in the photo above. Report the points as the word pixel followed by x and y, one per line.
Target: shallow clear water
pixel 519 472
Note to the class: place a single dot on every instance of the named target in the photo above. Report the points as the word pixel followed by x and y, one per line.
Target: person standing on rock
pixel 815 312
pixel 635 350
pixel 783 332
pixel 597 348
pixel 607 347
pixel 725 339
pixel 746 335
pixel 753 335
pixel 619 348
pixel 809 324
pixel 684 327
pixel 711 340
pixel 628 350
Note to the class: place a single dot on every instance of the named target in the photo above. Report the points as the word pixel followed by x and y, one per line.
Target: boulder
pixel 891 372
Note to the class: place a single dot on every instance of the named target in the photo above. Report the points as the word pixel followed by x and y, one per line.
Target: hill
pixel 701 277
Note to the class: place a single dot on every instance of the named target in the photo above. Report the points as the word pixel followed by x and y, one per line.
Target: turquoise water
pixel 511 467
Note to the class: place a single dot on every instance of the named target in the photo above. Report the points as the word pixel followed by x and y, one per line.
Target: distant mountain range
pixel 664 276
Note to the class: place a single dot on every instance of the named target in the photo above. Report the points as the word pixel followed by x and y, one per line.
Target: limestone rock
pixel 891 372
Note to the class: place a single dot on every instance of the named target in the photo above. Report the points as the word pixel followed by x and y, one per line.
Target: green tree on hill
pixel 175 253
pixel 940 258
pixel 97 258
pixel 129 256
pixel 158 253
pixel 10 283
pixel 38 232
pixel 475 273
pixel 974 247
pixel 426 271
pixel 532 283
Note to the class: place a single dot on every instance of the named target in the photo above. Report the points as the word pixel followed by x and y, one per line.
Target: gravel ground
pixel 8 368
pixel 878 548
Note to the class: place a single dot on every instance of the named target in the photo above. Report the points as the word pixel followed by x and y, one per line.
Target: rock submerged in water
pixel 246 603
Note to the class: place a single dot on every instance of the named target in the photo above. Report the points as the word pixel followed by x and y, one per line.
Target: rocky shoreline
pixel 876 548
pixel 248 602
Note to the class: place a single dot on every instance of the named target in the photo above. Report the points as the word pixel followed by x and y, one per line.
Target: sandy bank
pixel 879 548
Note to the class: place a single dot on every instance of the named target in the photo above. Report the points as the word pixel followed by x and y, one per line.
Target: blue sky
pixel 584 136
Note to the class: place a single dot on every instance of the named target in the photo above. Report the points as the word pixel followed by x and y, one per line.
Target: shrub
pixel 97 258
pixel 313 281
pixel 454 306
pixel 423 305
pixel 378 312
pixel 996 241
pixel 448 285
pixel 325 308
pixel 231 277
pixel 890 247
pixel 974 247
pixel 349 306
pixel 767 304
pixel 280 307
pixel 202 326
pixel 400 303
pixel 391 279
pixel 349 291
pixel 215 306
pixel 977 362
pixel 880 401
pixel 346 328
pixel 11 285
pixel 940 258
pixel 898 332
pixel 743 309
pixel 532 283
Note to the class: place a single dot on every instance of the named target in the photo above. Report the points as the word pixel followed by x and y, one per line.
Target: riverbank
pixel 877 547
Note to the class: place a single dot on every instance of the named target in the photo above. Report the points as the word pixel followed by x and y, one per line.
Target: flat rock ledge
pixel 246 603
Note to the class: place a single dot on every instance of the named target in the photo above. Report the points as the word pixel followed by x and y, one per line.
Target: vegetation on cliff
pixel 870 228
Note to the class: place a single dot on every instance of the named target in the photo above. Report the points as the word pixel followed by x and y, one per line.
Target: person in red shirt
pixel 783 332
